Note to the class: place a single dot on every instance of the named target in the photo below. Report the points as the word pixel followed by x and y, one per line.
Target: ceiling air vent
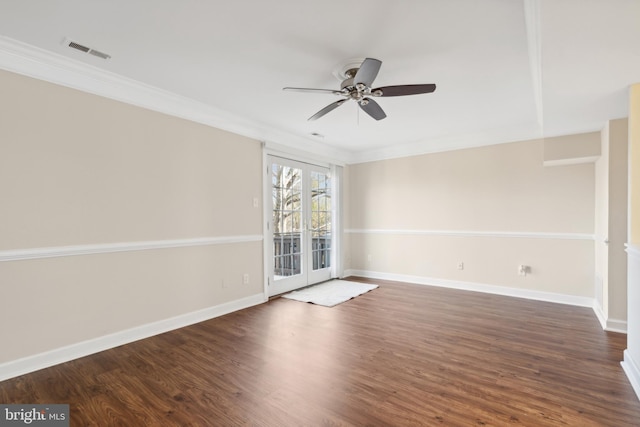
pixel 79 47
pixel 99 54
pixel 85 49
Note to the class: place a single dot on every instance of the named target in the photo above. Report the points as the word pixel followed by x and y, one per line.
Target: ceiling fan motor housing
pixel 347 84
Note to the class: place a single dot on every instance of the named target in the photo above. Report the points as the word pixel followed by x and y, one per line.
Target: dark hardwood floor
pixel 400 355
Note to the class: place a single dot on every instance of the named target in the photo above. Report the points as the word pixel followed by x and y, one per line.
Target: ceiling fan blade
pixel 305 89
pixel 403 90
pixel 327 109
pixel 367 72
pixel 372 108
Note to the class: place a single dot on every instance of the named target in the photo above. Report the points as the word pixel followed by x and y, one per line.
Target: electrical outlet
pixel 461 265
pixel 523 270
pixel 245 279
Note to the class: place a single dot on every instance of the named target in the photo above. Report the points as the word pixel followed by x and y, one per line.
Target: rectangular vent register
pixel 86 49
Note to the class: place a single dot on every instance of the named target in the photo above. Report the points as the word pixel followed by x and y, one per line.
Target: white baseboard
pixel 478 287
pixel 597 309
pixel 36 362
pixel 632 369
pixel 611 325
pixel 616 325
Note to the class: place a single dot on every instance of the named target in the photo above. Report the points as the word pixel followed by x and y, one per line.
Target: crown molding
pixel 31 61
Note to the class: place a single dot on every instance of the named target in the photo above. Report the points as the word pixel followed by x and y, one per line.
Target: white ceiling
pixel 505 70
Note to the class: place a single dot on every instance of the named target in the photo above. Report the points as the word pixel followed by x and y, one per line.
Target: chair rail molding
pixel 62 251
pixel 470 233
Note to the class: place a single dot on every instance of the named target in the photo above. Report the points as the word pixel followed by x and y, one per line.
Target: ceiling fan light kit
pixel 356 86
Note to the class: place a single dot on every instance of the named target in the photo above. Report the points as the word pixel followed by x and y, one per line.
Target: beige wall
pixel 602 226
pixel 611 223
pixel 618 212
pixel 502 188
pixel 87 169
pixel 77 169
pixel 569 147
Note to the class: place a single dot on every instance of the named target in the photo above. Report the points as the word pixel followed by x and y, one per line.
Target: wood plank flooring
pixel 401 355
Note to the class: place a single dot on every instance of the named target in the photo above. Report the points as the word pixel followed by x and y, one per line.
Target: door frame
pixel 336 214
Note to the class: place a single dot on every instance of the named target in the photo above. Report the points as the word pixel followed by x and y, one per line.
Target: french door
pixel 300 224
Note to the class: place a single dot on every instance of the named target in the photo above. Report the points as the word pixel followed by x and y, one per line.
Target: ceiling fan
pixel 357 86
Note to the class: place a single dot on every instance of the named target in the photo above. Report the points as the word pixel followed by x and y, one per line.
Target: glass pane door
pixel 300 226
pixel 287 221
pixel 320 226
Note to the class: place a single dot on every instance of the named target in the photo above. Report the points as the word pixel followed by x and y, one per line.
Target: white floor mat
pixel 330 293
